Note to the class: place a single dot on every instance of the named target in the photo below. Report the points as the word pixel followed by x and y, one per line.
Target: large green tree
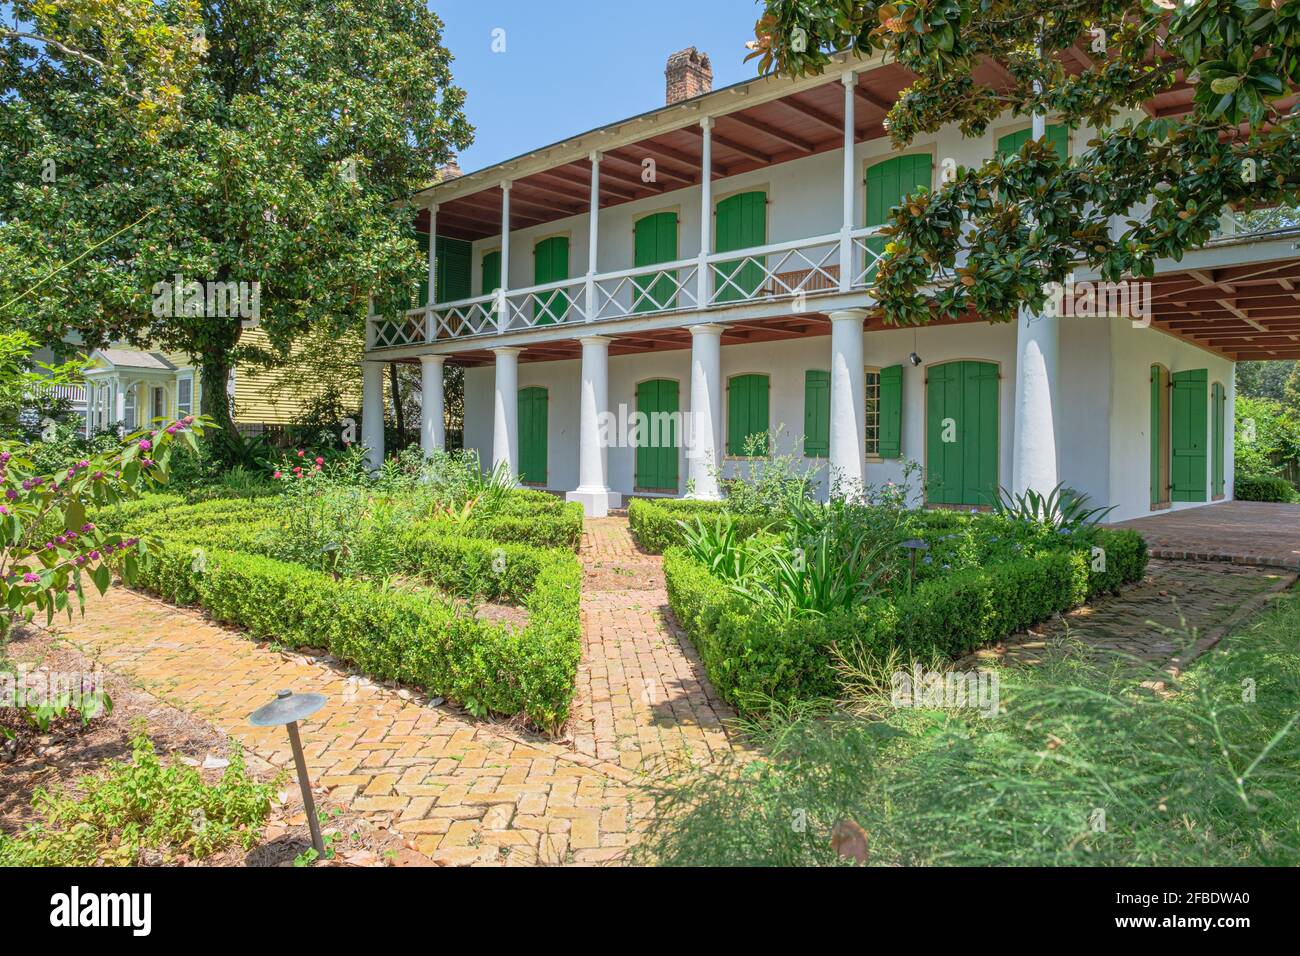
pixel 285 138
pixel 993 238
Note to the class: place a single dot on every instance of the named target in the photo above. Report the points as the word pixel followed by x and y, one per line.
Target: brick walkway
pixel 1243 532
pixel 463 791
pixel 1179 606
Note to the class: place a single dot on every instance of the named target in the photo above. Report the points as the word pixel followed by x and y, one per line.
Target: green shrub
pixel 1263 488
pixel 653 521
pixel 752 658
pixel 412 637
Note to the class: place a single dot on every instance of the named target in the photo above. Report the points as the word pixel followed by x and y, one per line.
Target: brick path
pixel 1243 532
pixel 1177 605
pixel 463 791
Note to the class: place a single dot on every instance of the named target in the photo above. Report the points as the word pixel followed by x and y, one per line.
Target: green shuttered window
pixel 961 433
pixel 890 427
pixel 1058 137
pixel 889 183
pixel 551 264
pixel 816 413
pixel 491 272
pixel 532 422
pixel 656 436
pixel 655 241
pixel 740 223
pixel 1217 445
pixel 747 410
pixel 1189 428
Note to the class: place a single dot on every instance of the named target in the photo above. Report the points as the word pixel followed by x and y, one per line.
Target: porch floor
pixel 1242 532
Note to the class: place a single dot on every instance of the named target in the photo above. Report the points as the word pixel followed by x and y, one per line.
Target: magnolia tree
pixel 49 547
pixel 993 238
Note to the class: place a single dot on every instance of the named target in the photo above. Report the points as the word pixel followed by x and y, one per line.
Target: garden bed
pixel 310 571
pixel 979 579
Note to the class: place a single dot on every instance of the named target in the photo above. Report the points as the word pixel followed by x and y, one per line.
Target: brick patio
pixel 1242 532
pixel 462 791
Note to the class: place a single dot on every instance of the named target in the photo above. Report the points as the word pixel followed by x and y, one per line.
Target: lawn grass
pixel 1081 766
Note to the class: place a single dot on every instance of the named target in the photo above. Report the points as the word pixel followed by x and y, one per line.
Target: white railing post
pixel 370 323
pixel 706 212
pixel 503 314
pixel 849 79
pixel 593 234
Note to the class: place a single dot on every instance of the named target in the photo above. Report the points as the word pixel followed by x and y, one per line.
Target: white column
pixel 505 415
pixel 849 79
pixel 92 392
pixel 706 213
pixel 704 430
pixel 433 255
pixel 119 403
pixel 593 446
pixel 503 315
pixel 593 234
pixel 372 412
pixel 848 452
pixel 433 428
pixel 1033 461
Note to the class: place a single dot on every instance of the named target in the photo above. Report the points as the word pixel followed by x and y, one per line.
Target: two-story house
pixel 705 268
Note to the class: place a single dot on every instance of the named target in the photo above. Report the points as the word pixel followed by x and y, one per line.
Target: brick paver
pixel 1242 532
pixel 462 791
pixel 1178 606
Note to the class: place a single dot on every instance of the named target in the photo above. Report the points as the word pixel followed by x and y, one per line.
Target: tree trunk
pixel 214 372
pixel 398 419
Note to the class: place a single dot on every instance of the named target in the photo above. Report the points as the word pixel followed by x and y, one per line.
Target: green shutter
pixel 1217 448
pixel 816 413
pixel 965 470
pixel 452 278
pixel 1188 428
pixel 655 240
pixel 1157 468
pixel 889 183
pixel 551 264
pixel 532 435
pixel 741 223
pixel 891 412
pixel 1058 136
pixel 747 410
pixel 491 272
pixel 656 451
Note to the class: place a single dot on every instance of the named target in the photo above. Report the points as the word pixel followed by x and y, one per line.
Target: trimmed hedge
pixel 751 659
pixel 1262 488
pixel 392 635
pixel 653 521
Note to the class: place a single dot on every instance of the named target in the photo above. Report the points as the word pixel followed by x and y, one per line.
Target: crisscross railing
pixel 552 303
pixel 407 329
pixel 783 269
pixel 868 246
pixel 662 287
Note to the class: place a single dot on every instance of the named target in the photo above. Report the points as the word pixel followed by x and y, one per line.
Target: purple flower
pixel 87 528
pixel 72 472
pixel 11 494
pixel 4 458
pixel 145 444
pixel 27 484
pixel 83 464
pixel 30 578
pixel 146 462
pixel 94 555
pixel 80 559
pixel 60 539
pixel 3 510
pixel 97 476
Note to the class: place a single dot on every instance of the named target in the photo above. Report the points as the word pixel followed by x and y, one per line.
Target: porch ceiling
pixel 804 122
pixel 1243 312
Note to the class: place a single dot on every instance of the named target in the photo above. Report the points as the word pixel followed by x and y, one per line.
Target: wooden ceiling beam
pixel 812 113
pixel 771 131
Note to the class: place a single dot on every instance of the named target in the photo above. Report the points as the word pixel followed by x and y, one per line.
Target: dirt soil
pixel 59 758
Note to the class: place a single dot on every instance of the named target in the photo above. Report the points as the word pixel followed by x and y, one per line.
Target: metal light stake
pixel 913 545
pixel 288 708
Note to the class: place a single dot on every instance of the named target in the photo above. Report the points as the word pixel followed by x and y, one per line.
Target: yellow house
pixel 134 386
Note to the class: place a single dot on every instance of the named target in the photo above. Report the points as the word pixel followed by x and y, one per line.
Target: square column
pixel 704 430
pixel 372 412
pixel 433 426
pixel 850 185
pixel 593 440
pixel 706 212
pixel 848 439
pixel 505 414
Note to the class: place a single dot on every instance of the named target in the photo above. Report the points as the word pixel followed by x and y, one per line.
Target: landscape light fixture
pixel 288 708
pixel 913 545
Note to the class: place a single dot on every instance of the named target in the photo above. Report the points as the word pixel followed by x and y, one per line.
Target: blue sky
pixel 572 65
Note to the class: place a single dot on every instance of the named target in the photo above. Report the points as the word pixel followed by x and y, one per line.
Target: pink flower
pixel 31 578
pixel 300 453
pixel 320 461
pixel 315 467
pixel 277 475
pixel 145 444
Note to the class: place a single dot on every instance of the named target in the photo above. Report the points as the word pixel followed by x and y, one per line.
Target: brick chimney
pixel 689 74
